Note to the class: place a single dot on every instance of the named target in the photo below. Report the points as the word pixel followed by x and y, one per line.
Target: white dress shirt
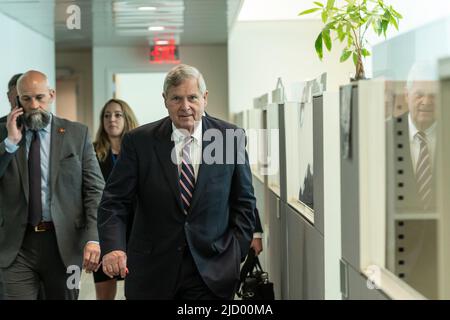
pixel 178 136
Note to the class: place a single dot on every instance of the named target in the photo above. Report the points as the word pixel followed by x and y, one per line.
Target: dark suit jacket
pixel 3 119
pixel 106 167
pixel 76 186
pixel 217 229
pixel 258 225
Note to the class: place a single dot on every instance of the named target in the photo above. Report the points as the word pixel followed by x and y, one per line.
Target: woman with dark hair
pixel 116 119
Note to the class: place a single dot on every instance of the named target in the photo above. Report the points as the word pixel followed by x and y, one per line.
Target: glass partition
pixel 256 142
pixel 273 148
pixel 299 157
pixel 412 216
pixel 403 172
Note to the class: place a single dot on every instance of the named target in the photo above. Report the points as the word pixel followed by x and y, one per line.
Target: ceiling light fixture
pixel 147 8
pixel 160 28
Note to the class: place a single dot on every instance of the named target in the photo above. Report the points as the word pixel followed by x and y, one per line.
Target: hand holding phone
pixel 19 119
pixel 14 123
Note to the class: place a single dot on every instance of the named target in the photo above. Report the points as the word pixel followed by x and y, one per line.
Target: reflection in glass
pixel 411 176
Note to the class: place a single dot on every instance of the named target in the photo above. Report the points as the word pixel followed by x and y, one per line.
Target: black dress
pixel 106 167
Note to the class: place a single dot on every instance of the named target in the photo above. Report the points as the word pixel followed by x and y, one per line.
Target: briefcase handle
pixel 251 262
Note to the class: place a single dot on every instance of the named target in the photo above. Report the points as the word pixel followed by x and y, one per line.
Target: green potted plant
pixel 350 22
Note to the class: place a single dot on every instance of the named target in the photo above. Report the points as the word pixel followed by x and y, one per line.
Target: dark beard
pixel 37 119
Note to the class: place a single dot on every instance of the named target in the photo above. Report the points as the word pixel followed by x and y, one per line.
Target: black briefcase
pixel 254 283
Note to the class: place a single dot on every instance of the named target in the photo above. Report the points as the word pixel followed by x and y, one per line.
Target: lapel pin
pixel 61 130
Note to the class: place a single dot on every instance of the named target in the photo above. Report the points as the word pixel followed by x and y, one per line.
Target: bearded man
pixel 50 188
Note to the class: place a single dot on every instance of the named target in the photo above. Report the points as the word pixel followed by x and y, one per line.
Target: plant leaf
pixel 330 26
pixel 396 14
pixel 365 52
pixel 377 27
pixel 394 22
pixel 327 38
pixel 349 35
pixel 318 4
pixel 324 16
pixel 341 33
pixel 345 55
pixel 308 11
pixel 330 4
pixel 384 26
pixel 355 59
pixel 385 22
pixel 318 45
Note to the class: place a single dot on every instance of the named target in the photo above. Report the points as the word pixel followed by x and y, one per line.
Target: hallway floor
pixel 87 288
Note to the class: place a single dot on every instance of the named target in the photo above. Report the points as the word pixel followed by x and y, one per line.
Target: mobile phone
pixel 19 119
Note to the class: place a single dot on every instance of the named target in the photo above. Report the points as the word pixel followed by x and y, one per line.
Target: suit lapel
pixel 203 171
pixel 23 165
pixel 56 140
pixel 163 149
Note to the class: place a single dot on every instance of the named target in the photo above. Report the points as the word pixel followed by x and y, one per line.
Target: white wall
pixel 22 49
pixel 210 60
pixel 423 35
pixel 142 91
pixel 415 14
pixel 213 63
pixel 79 62
pixel 260 52
pixel 257 10
pixel 394 58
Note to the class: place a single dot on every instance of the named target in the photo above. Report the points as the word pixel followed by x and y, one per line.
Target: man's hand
pixel 14 133
pixel 115 263
pixel 257 245
pixel 91 257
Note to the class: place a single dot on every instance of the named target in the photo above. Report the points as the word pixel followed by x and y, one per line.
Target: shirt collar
pixel 46 128
pixel 177 135
pixel 413 130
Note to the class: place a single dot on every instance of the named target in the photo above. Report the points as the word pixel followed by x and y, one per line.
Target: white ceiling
pixel 262 10
pixel 191 22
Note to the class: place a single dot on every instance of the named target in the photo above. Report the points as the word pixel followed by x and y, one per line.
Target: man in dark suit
pixel 256 243
pixel 12 93
pixel 50 187
pixel 415 143
pixel 195 204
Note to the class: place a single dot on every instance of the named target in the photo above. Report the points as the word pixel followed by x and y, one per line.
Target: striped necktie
pixel 187 176
pixel 424 173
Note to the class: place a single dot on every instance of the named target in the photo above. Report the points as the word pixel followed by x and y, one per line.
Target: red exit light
pixel 167 53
